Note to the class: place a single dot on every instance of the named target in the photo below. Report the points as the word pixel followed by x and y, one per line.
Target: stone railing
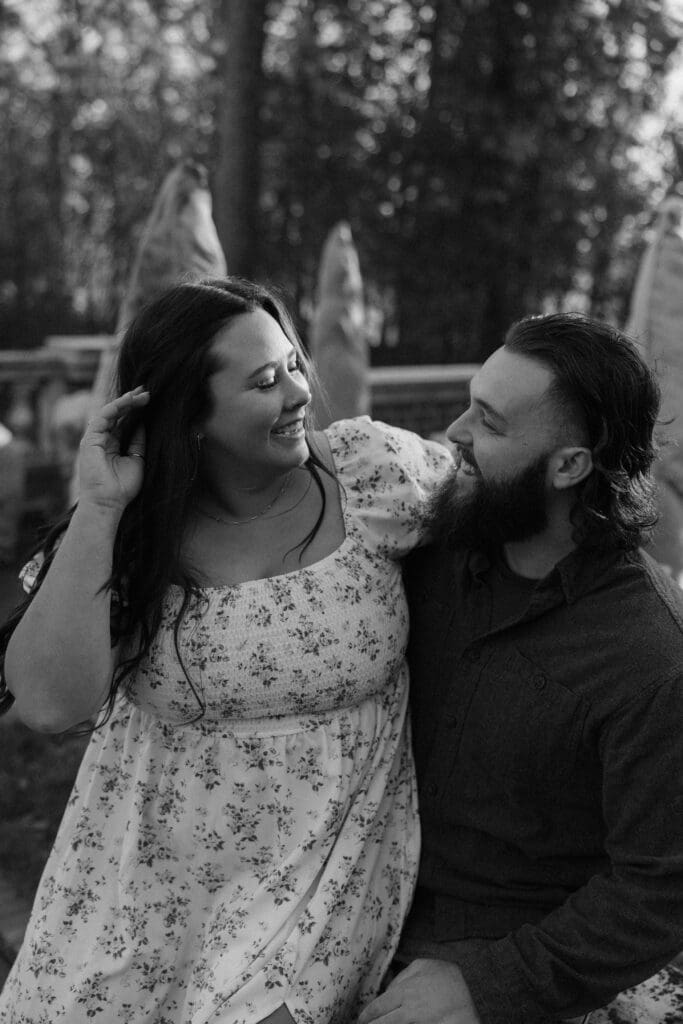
pixel 34 466
pixel 425 399
pixel 31 382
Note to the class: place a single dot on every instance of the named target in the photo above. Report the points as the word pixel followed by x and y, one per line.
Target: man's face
pixel 490 513
pixel 500 487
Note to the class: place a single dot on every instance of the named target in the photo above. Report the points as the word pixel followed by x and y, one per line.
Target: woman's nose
pixel 300 392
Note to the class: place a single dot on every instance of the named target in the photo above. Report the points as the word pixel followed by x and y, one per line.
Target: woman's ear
pixel 569 467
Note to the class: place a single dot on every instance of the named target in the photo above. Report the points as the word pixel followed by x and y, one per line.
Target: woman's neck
pixel 236 501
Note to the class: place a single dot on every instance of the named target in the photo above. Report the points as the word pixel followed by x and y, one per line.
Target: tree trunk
pixel 237 182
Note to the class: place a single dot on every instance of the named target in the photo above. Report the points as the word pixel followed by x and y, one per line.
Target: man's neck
pixel 536 557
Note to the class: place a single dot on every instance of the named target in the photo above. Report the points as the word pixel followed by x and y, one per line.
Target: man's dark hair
pixel 603 386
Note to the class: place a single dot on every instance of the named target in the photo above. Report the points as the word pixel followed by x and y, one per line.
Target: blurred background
pixel 491 158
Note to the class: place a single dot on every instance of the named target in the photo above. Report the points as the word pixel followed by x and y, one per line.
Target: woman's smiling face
pixel 258 396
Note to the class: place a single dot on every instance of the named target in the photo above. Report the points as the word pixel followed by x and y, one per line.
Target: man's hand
pixel 427 992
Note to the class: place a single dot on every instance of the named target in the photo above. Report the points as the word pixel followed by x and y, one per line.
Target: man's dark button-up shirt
pixel 549 752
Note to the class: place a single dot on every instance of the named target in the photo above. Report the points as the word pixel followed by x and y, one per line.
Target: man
pixel 547 692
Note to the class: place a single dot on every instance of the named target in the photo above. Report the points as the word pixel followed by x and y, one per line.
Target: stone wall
pixel 425 399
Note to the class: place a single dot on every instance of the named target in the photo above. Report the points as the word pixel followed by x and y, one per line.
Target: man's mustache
pixel 462 455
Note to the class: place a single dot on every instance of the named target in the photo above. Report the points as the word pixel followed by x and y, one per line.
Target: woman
pixel 242 840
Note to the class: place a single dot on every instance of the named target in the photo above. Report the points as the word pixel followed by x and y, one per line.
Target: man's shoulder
pixel 634 617
pixel 663 588
pixel 655 589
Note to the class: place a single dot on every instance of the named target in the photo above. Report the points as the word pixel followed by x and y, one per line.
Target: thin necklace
pixel 240 522
pixel 250 519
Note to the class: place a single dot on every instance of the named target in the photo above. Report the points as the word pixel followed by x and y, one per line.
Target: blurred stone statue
pixel 179 243
pixel 338 339
pixel 656 324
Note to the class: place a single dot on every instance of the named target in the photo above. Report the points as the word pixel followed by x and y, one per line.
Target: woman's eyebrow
pixel 272 365
pixel 266 366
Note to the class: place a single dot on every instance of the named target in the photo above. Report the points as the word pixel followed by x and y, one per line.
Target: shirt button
pixel 474 653
pixel 451 721
pixel 432 789
pixel 539 682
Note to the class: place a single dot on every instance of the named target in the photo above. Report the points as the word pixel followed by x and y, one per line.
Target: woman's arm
pixel 59 661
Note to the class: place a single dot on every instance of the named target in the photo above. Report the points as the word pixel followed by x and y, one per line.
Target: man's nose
pixel 459 433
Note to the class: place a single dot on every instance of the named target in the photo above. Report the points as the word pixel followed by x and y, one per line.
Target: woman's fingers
pixel 108 475
pixel 106 419
pixel 136 446
pixel 123 404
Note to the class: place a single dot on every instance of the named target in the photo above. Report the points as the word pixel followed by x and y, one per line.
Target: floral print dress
pixel 209 869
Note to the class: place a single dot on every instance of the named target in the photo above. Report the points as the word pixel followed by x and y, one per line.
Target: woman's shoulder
pixel 387 474
pixel 350 435
pixel 360 442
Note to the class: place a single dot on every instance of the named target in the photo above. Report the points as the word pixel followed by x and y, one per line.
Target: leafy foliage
pixel 488 156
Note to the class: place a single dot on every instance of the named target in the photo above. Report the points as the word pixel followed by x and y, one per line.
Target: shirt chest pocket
pixel 521 731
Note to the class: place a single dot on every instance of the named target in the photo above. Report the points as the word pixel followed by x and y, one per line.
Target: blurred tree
pixel 338 75
pixel 489 158
pixel 238 176
pixel 522 169
pixel 100 98
pixel 486 156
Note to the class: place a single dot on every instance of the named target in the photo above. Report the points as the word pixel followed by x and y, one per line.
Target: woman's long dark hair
pixel 167 349
pixel 603 386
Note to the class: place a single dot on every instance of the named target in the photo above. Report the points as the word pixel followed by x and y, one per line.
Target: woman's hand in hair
pixel 107 477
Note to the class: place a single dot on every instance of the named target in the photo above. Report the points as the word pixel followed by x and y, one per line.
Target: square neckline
pixel 343 505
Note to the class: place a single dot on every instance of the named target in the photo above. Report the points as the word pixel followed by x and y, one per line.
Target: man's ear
pixel 569 467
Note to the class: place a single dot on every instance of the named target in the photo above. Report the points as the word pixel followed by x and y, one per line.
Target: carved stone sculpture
pixel 338 335
pixel 179 242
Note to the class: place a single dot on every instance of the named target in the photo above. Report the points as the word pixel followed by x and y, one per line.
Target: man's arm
pixel 624 925
pixel 614 932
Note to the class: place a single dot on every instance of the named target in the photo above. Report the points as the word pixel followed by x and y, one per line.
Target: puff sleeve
pixel 387 474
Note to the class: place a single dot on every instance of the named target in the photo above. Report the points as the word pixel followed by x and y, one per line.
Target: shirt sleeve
pixel 387 475
pixel 626 924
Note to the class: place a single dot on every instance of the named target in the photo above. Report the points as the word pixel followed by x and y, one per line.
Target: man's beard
pixel 492 512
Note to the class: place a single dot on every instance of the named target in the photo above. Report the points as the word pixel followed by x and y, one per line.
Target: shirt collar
pixel 576 574
pixel 582 570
